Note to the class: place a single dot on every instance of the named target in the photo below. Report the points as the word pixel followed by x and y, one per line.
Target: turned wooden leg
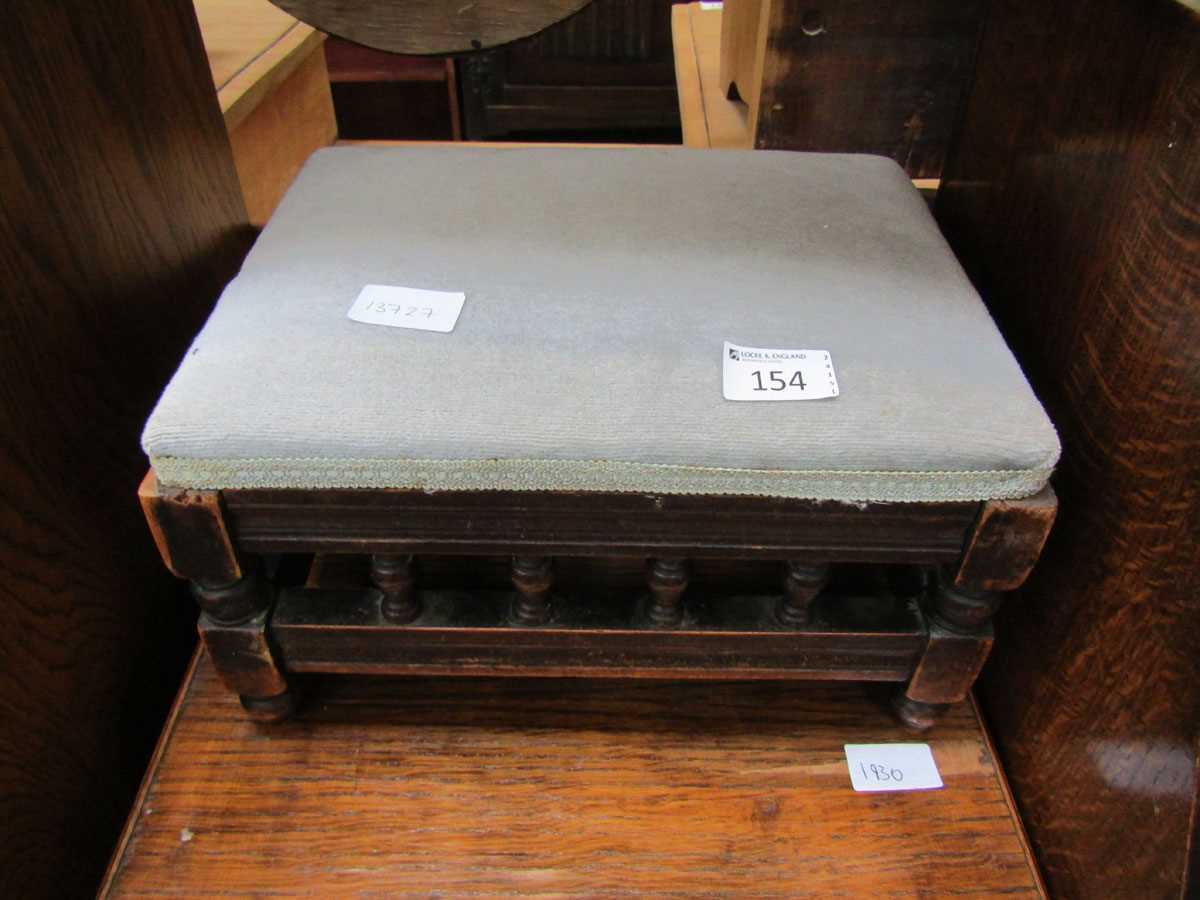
pixel 802 585
pixel 916 715
pixel 998 554
pixel 533 577
pixel 960 638
pixel 393 577
pixel 668 579
pixel 233 625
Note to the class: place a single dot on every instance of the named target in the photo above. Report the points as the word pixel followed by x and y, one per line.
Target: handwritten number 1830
pixel 777 381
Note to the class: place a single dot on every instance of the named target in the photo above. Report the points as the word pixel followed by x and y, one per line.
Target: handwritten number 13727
pixel 398 309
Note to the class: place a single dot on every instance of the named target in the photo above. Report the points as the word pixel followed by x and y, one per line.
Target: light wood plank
pixel 275 138
pixel 252 46
pixel 687 78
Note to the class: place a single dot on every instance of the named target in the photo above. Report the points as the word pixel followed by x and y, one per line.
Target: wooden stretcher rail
pixel 473 633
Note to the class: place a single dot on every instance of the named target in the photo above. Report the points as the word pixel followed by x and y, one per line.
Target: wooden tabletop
pixel 397 787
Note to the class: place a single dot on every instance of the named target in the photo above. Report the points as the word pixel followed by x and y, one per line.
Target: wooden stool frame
pixel 934 642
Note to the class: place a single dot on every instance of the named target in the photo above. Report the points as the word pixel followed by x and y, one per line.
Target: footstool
pixel 600 412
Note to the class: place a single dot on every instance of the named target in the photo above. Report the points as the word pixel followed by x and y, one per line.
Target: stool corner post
pixel 190 531
pixel 1005 542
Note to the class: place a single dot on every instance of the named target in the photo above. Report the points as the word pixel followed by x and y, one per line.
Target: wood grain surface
pixel 458 788
pixel 1074 199
pixel 431 26
pixel 856 76
pixel 120 222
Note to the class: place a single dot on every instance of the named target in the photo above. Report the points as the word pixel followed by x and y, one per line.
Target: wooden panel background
pixel 1074 197
pixel 121 220
pixel 864 76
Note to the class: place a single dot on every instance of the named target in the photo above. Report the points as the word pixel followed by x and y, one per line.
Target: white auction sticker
pixel 402 307
pixel 892 767
pixel 753 373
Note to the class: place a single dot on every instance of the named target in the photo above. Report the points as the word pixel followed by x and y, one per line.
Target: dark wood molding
pixel 395 521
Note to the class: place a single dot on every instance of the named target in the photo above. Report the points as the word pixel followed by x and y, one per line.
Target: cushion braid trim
pixel 599 476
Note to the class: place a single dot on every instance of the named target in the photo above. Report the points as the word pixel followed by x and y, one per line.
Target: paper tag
pixel 711 4
pixel 892 767
pixel 752 373
pixel 401 307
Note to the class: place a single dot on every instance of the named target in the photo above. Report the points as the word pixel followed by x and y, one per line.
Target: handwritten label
pixel 755 373
pixel 402 307
pixel 892 767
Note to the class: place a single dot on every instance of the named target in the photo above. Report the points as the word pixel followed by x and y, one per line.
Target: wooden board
pixel 710 119
pixel 745 26
pixel 273 88
pixel 252 46
pixel 272 142
pixel 406 787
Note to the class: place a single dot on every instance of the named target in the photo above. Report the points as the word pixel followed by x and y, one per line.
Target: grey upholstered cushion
pixel 600 286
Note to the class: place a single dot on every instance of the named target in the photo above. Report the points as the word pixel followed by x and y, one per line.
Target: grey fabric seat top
pixel 600 288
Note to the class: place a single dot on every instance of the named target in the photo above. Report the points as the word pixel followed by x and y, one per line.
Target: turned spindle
pixel 532 576
pixel 964 611
pixel 393 578
pixel 802 585
pixel 668 580
pixel 236 602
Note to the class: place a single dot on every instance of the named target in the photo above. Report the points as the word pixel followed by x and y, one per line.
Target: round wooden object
pixel 431 26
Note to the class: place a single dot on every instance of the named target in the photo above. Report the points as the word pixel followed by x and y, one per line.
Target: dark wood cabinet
pixel 606 72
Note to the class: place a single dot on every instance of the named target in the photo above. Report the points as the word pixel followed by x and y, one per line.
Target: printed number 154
pixel 776 380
